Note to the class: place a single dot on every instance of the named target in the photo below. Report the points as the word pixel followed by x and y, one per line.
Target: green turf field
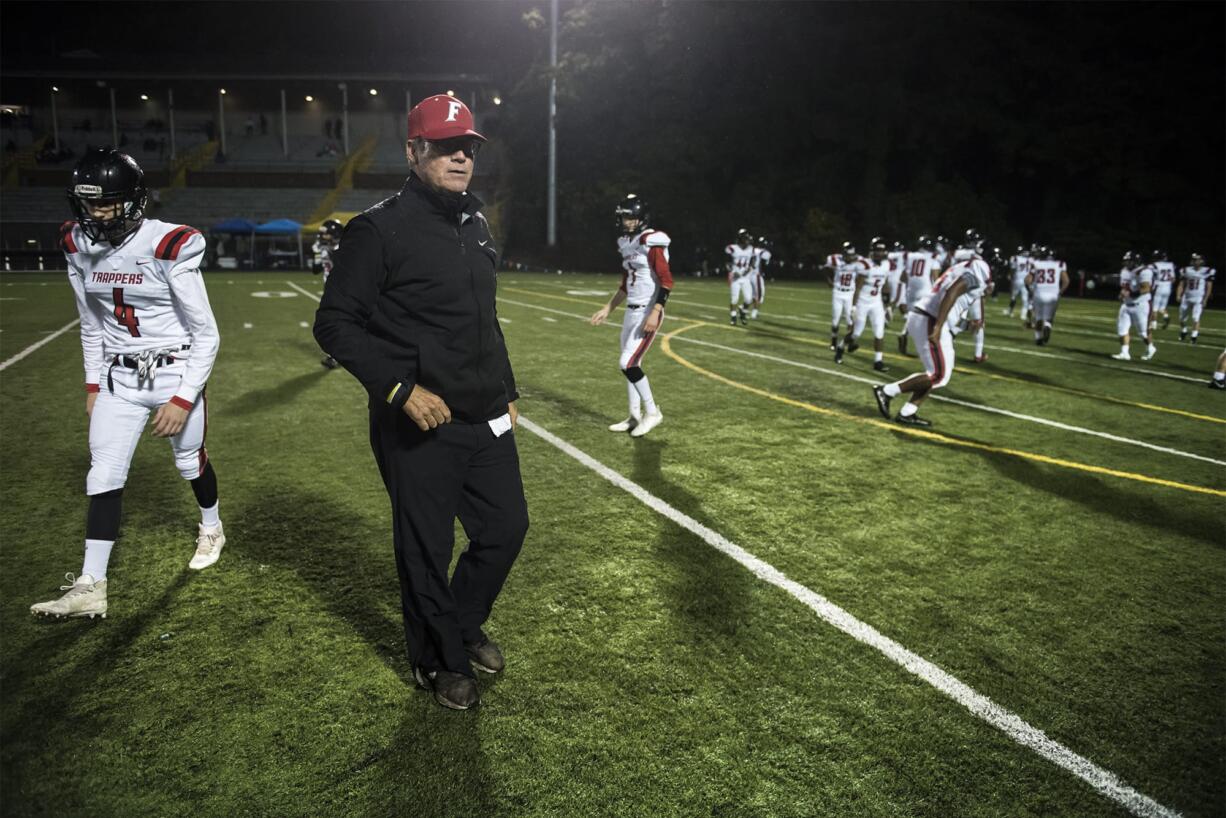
pixel 1029 546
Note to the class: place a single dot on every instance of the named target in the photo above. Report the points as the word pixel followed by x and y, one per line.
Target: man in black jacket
pixel 410 311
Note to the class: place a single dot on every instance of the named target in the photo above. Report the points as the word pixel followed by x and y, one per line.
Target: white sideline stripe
pixel 1132 370
pixel 980 406
pixel 304 291
pixel 979 705
pixel 37 344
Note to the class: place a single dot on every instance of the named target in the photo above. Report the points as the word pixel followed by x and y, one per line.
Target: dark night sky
pixel 1098 124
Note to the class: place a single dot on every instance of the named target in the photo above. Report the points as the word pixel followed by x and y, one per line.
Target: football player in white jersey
pixel 1049 279
pixel 1195 287
pixel 1219 373
pixel 1019 267
pixel 897 259
pixel 1136 281
pixel 845 267
pixel 761 258
pixel 928 323
pixel 740 276
pixel 1164 283
pixel 149 341
pixel 922 268
pixel 326 242
pixel 873 282
pixel 645 285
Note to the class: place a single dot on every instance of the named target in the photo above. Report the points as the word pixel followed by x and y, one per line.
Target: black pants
pixel 457 470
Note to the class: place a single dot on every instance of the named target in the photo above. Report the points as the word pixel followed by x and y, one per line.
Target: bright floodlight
pixel 55 88
pixel 451 93
pixel 310 98
pixel 497 100
pixel 374 92
pixel 223 90
pixel 144 97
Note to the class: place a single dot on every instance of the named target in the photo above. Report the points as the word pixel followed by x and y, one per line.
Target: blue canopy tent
pixel 280 227
pixel 234 226
pixel 239 230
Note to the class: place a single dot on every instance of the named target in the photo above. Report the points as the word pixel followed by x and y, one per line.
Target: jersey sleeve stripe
pixel 179 244
pixel 170 245
pixel 66 241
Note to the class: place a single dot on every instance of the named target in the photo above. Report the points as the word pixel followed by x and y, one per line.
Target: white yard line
pixel 303 290
pixel 37 344
pixel 1128 441
pixel 1012 725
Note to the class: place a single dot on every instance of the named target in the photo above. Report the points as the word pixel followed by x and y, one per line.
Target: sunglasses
pixel 447 147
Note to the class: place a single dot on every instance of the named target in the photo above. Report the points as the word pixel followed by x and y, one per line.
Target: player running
pixel 1049 279
pixel 897 258
pixel 922 268
pixel 845 267
pixel 326 242
pixel 1019 268
pixel 761 258
pixel 1136 281
pixel 740 276
pixel 928 325
pixel 1164 282
pixel 870 302
pixel 149 340
pixel 646 283
pixel 1195 287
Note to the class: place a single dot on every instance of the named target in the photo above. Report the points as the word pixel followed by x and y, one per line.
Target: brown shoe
pixel 485 655
pixel 454 690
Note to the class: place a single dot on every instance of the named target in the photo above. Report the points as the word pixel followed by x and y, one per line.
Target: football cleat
pixel 744 319
pixel 883 401
pixel 980 358
pixel 1183 335
pixel 1046 333
pixel 84 597
pixel 838 354
pixel 624 425
pixel 733 321
pixel 880 366
pixel 1217 384
pixel 328 362
pixel 852 345
pixel 1166 320
pixel 208 547
pixel 1150 353
pixel 650 421
pixel 1193 339
pixel 1122 356
pixel 913 420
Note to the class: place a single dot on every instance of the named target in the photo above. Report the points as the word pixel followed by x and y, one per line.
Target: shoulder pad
pixel 173 242
pixel 656 238
pixel 68 238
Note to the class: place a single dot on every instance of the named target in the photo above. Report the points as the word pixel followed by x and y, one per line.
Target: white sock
pixel 1195 333
pixel 636 403
pixel 644 389
pixel 908 409
pixel 97 555
pixel 979 343
pixel 732 312
pixel 1219 376
pixel 877 356
pixel 209 517
pixel 1124 349
pixel 891 390
pixel 754 314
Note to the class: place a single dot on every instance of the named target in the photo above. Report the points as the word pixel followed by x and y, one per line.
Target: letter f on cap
pixel 453 108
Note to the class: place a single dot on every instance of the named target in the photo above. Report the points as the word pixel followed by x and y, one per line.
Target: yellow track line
pixel 894 357
pixel 666 345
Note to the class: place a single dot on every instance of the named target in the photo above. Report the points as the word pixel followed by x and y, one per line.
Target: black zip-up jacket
pixel 410 300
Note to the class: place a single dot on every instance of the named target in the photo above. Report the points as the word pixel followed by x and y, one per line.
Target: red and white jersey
pixel 1131 281
pixel 1164 276
pixel 760 256
pixel 974 271
pixel 845 272
pixel 875 280
pixel 645 266
pixel 741 260
pixel 1195 280
pixel 145 295
pixel 1046 274
pixel 1020 267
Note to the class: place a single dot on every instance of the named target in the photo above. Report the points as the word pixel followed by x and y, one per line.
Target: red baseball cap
pixel 441 117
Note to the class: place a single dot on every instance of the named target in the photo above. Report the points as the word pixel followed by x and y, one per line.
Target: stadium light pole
pixel 284 127
pixel 344 114
pixel 55 121
pixel 221 117
pixel 114 120
pixel 170 97
pixel 551 229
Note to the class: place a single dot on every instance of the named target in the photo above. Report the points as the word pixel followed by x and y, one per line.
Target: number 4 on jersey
pixel 125 314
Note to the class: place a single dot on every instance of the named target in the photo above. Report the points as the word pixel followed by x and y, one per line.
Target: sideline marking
pixel 926 435
pixel 37 344
pixel 979 705
pixel 972 372
pixel 303 290
pixel 958 402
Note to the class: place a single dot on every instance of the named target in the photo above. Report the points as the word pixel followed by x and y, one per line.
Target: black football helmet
pixel 925 242
pixel 1197 260
pixel 109 182
pixel 877 248
pixel 898 247
pixel 743 238
pixel 632 207
pixel 971 240
pixel 849 251
pixel 762 242
pixel 941 240
pixel 330 232
pixel 1158 255
pixel 1129 259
